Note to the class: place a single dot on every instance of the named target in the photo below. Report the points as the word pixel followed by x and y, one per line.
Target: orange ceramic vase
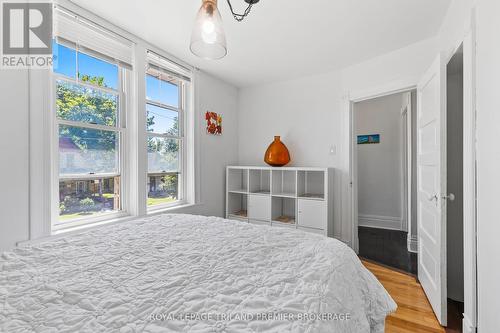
pixel 277 154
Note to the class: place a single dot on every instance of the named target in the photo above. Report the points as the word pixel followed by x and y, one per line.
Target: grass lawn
pixel 159 201
pixel 151 202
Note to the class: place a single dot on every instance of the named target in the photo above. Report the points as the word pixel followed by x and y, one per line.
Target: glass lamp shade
pixel 208 39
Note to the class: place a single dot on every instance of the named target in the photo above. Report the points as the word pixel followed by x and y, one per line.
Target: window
pixel 165 137
pixel 90 128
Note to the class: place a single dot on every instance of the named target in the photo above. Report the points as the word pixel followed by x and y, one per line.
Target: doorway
pixel 455 185
pixel 383 133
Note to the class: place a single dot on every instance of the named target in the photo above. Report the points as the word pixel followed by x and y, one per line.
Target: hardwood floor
pixel 414 314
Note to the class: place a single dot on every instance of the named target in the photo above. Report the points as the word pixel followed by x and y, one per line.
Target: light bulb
pixel 208 27
pixel 208 32
pixel 208 39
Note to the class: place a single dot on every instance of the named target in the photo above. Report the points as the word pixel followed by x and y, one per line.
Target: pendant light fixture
pixel 208 39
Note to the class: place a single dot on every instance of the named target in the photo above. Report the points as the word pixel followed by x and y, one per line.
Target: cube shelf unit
pixel 283 197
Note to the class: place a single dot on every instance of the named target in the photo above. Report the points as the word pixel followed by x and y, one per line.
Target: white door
pixel 431 171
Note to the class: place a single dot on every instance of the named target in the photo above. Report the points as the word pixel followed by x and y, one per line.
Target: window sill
pixel 171 209
pixel 63 232
pixel 90 225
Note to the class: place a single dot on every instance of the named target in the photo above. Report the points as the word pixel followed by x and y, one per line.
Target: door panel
pixel 431 171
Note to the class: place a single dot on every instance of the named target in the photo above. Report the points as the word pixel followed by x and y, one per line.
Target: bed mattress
pixel 185 273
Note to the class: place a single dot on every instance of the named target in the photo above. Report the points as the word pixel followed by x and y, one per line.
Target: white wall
pixel 380 166
pixel 215 152
pixel 488 164
pixel 311 115
pixel 14 167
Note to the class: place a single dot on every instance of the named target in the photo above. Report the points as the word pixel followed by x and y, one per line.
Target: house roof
pixel 66 143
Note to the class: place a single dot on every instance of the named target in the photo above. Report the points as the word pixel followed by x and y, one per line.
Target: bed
pixel 185 273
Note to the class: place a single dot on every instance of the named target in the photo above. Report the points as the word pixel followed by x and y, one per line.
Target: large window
pixel 90 126
pixel 165 137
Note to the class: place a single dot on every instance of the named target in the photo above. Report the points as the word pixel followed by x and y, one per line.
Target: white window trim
pixel 42 206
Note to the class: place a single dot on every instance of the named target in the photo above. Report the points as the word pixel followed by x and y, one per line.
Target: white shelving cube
pixel 284 210
pixel 284 183
pixel 260 181
pixel 311 184
pixel 283 197
pixel 237 206
pixel 237 180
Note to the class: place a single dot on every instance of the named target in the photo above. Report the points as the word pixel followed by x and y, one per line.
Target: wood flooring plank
pixel 414 313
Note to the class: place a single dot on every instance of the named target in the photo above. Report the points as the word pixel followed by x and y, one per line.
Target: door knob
pixel 450 197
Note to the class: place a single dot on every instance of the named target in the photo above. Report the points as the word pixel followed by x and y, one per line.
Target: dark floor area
pixel 388 247
pixel 455 311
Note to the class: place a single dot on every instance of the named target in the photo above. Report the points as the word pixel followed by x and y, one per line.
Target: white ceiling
pixel 281 39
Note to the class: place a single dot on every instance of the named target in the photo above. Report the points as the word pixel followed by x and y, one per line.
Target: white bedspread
pixel 184 273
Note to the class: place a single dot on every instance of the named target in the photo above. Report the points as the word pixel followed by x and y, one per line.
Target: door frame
pixel 469 322
pixel 351 99
pixel 468 42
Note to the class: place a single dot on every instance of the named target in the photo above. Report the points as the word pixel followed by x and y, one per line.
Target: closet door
pixel 431 186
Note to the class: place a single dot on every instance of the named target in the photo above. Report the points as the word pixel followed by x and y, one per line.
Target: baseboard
pixel 412 244
pixel 467 326
pixel 381 222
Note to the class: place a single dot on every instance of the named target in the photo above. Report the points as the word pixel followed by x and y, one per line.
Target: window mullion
pixel 163 106
pixel 165 136
pixel 89 176
pixel 88 125
pixel 60 77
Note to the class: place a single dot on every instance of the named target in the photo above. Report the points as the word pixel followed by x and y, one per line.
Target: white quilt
pixel 184 273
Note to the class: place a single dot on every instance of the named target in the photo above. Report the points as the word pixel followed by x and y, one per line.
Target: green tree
pixel 164 150
pixel 81 103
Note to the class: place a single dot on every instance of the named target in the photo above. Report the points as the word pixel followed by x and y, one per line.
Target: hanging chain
pixel 239 17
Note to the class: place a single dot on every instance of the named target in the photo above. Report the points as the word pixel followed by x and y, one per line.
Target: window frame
pixel 181 137
pixel 120 128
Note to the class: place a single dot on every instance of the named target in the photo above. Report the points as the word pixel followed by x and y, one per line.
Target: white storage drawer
pixel 312 214
pixel 259 207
